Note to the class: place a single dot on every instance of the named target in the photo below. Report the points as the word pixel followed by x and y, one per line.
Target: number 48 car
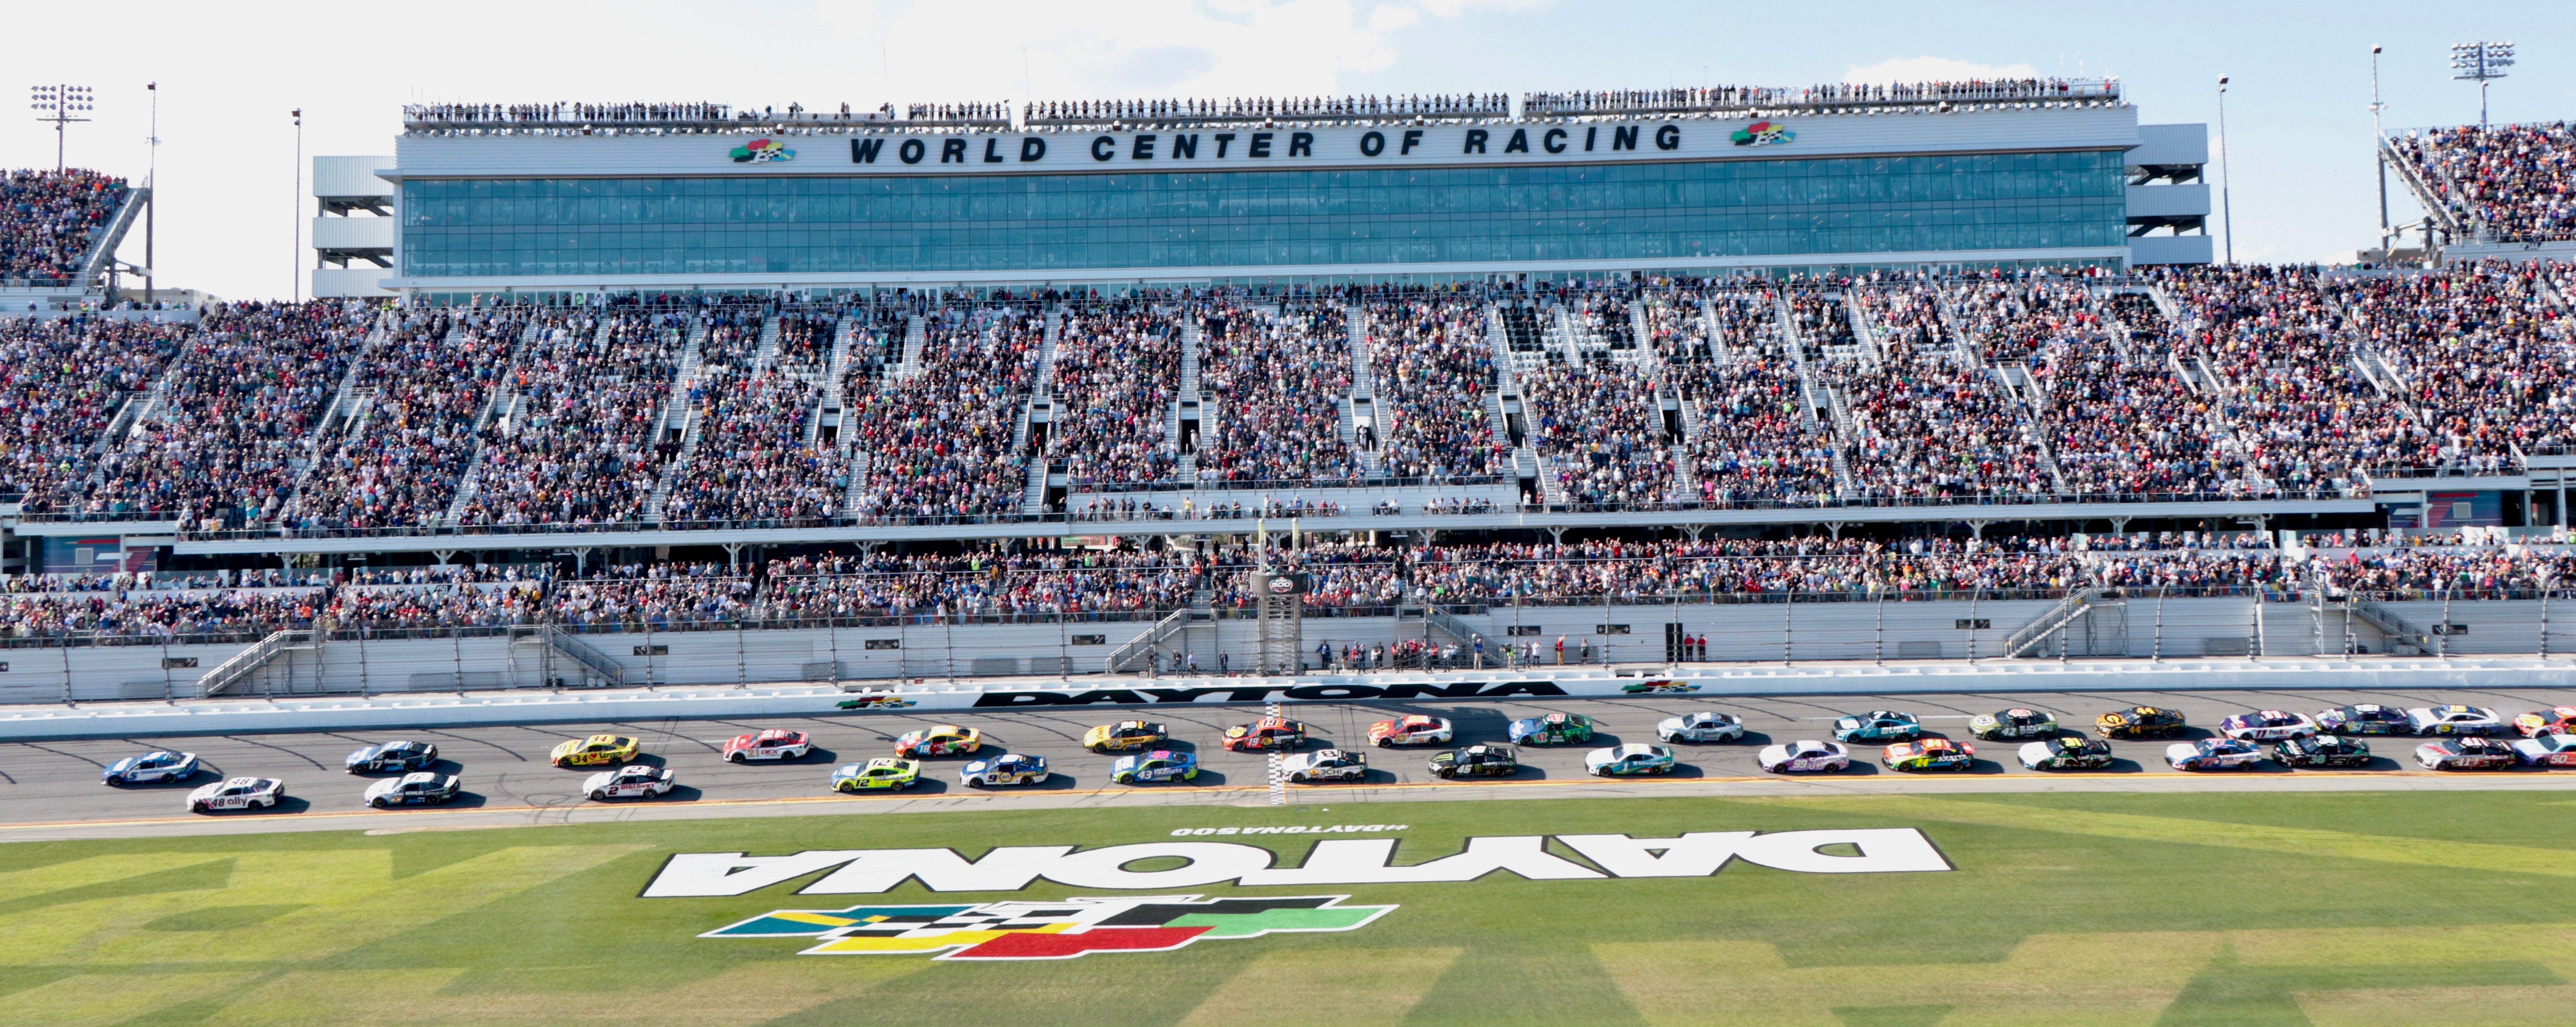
pixel 237 793
pixel 1476 761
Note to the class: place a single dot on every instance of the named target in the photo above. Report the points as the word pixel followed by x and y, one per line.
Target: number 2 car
pixel 419 788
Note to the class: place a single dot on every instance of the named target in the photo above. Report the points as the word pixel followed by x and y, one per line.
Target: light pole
pixel 2481 62
pixel 2379 148
pixel 295 266
pixel 55 103
pixel 2226 174
pixel 152 182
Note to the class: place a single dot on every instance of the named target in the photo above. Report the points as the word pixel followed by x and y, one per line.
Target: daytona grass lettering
pixel 1335 829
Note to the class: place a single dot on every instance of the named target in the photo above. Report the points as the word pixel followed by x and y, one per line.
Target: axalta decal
pixel 762 151
pixel 1256 693
pixel 1049 930
pixel 1762 133
pixel 1331 862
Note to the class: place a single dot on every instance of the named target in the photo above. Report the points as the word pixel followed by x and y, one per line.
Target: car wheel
pixel 974 782
pixel 1297 779
pixel 735 758
pixel 1385 743
pixel 599 796
pixel 196 807
pixel 378 803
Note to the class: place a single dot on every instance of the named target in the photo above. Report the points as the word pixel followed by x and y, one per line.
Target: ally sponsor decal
pixel 1049 930
pixel 1763 133
pixel 762 151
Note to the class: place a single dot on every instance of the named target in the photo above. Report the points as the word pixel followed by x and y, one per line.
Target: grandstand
pixel 58 236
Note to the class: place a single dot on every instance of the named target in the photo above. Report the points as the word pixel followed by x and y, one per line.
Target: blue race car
pixel 1158 765
pixel 1878 726
pixel 403 757
pixel 151 767
pixel 1010 768
pixel 2214 754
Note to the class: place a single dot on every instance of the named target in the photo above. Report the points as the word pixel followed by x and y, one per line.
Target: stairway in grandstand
pixel 690 419
pixel 502 400
pixel 1041 400
pixel 1188 400
pixel 915 335
pixel 1362 402
pixel 343 407
pixel 831 407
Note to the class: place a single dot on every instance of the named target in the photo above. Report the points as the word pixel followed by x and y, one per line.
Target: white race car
pixel 1009 768
pixel 159 765
pixel 1805 757
pixel 632 781
pixel 2267 726
pixel 2471 721
pixel 1702 726
pixel 1324 765
pixel 237 793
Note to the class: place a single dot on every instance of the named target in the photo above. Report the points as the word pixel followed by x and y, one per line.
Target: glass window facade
pixel 1641 212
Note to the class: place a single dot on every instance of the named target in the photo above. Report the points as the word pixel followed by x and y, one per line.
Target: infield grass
pixel 2296 908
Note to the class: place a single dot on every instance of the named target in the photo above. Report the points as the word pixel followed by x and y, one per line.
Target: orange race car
pixel 1269 734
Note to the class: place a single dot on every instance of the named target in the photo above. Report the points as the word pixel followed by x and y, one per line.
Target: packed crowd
pixel 1116 367
pixel 1925 422
pixel 755 414
pixel 585 441
pixel 936 439
pixel 2483 358
pixel 50 220
pixel 1432 365
pixel 2515 183
pixel 1278 376
pixel 399 461
pixel 62 383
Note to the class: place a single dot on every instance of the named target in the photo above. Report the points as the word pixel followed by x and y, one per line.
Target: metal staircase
pixel 2050 624
pixel 1140 649
pixel 503 397
pixel 595 665
pixel 683 408
pixel 251 661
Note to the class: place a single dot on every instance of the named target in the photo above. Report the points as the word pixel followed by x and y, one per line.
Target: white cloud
pixel 1934 69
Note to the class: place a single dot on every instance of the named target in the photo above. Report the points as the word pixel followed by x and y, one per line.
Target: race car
pixel 2364 719
pixel 2471 753
pixel 1553 729
pixel 419 788
pixel 1804 757
pixel 939 740
pixel 2320 751
pixel 237 793
pixel 1476 761
pixel 2556 720
pixel 1415 729
pixel 2140 722
pixel 773 744
pixel 1630 760
pixel 1126 734
pixel 2267 726
pixel 878 774
pixel 159 765
pixel 1703 726
pixel 632 781
pixel 2017 722
pixel 1930 754
pixel 1878 726
pixel 595 750
pixel 1325 765
pixel 1157 765
pixel 2066 752
pixel 2470 721
pixel 2214 754
pixel 1268 734
pixel 1659 686
pixel 397 756
pixel 2551 750
pixel 1009 768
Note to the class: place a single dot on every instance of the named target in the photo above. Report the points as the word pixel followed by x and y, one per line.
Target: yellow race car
pixel 594 751
pixel 1124 736
pixel 939 740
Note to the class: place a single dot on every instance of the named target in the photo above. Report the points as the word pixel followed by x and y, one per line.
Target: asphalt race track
pixel 51 790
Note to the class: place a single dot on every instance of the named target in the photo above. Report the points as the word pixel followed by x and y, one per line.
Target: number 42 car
pixel 773 744
pixel 2014 723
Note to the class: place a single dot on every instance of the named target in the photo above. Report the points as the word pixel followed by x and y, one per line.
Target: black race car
pixel 2139 722
pixel 2067 752
pixel 1477 761
pixel 403 757
pixel 2364 719
pixel 2321 751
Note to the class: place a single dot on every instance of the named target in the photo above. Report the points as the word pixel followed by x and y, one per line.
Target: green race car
pixel 882 774
pixel 1553 729
pixel 2018 722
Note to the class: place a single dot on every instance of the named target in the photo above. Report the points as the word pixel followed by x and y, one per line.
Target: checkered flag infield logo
pixel 1049 930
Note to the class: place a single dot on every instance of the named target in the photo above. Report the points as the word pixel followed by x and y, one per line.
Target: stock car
pixel 1878 726
pixel 1553 729
pixel 2067 752
pixel 1414 729
pixel 2140 722
pixel 404 757
pixel 2267 726
pixel 595 750
pixel 237 793
pixel 1804 757
pixel 2471 753
pixel 2550 750
pixel 1157 765
pixel 2014 723
pixel 1126 734
pixel 1476 761
pixel 159 765
pixel 632 781
pixel 773 744
pixel 1325 765
pixel 878 774
pixel 2364 719
pixel 2464 721
pixel 939 740
pixel 419 788
pixel 1930 754
pixel 1010 768
pixel 1702 726
pixel 2556 720
pixel 2214 754
pixel 2320 751
pixel 1268 734
pixel 1630 760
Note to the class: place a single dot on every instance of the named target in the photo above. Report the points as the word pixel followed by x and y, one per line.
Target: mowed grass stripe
pixel 97 1000
pixel 1354 987
pixel 2107 979
pixel 757 993
pixel 2458 855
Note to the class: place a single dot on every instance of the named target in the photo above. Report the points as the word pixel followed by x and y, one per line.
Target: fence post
pixel 1789 629
pixel 2443 631
pixel 2156 649
pixel 66 640
pixel 1878 636
pixel 1973 596
pixel 2544 619
pixel 741 662
pixel 169 686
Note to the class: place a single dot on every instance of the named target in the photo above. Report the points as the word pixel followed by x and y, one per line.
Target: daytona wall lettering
pixel 1257 693
pixel 1332 862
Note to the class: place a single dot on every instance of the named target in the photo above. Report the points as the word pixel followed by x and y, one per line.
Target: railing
pixel 1142 646
pixel 1245 110
pixel 555 638
pixel 249 661
pixel 2055 620
pixel 1729 99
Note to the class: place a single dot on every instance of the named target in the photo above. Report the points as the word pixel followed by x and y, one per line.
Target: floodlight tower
pixel 2379 144
pixel 2481 62
pixel 57 104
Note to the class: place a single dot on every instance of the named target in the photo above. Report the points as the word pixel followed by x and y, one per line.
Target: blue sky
pixel 2303 181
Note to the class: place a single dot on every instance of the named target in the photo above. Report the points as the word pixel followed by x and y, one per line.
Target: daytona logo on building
pixel 1049 930
pixel 1762 133
pixel 762 151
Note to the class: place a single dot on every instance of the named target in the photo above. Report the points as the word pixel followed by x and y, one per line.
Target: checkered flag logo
pixel 1049 930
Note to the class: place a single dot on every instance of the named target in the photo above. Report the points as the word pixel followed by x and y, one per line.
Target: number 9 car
pixel 1009 768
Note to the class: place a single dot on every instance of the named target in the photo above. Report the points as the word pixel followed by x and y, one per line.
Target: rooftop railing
pixel 1745 99
pixel 1254 109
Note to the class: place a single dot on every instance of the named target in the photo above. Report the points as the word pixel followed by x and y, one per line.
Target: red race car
pixel 1416 729
pixel 1269 734
pixel 2556 720
pixel 773 744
